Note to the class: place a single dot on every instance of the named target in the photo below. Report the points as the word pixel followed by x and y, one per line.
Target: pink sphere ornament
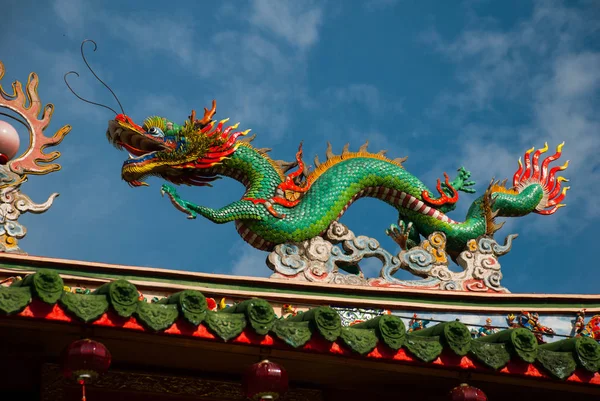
pixel 9 142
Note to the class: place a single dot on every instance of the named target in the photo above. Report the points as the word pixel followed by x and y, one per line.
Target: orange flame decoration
pixel 225 145
pixel 28 106
pixel 533 172
pixel 217 153
pixel 289 185
pixel 443 199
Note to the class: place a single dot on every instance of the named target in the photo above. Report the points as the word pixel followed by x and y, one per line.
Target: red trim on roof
pixel 41 311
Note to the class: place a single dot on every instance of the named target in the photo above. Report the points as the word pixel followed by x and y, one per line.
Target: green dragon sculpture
pixel 285 205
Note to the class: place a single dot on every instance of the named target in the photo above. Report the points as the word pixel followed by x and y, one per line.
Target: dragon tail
pixel 534 172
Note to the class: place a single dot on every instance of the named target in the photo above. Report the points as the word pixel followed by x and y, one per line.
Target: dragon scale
pixel 280 206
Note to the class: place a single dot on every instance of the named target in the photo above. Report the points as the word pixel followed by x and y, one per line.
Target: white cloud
pixel 577 75
pixel 565 110
pixel 259 55
pixel 52 88
pixel 371 267
pixel 169 37
pixel 249 69
pixel 70 12
pixel 372 5
pixel 490 157
pixel 490 63
pixel 540 68
pixel 366 95
pixel 165 105
pixel 249 261
pixel 295 21
pixel 249 102
pixel 95 201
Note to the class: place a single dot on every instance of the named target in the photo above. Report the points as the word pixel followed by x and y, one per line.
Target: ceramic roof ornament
pixel 9 142
pixel 295 214
pixel 293 211
pixel 25 103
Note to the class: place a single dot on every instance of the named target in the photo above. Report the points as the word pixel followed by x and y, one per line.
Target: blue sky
pixel 472 83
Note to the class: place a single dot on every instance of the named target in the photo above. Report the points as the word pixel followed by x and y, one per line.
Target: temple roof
pixel 186 305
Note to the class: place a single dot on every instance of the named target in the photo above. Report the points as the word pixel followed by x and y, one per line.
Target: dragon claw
pixel 400 233
pixel 179 204
pixel 169 190
pixel 462 182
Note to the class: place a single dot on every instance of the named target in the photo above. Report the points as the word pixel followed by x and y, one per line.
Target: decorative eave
pixel 115 303
pixel 166 281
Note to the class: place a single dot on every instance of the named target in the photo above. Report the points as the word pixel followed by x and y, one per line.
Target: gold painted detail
pixel 155 121
pixel 436 246
pixel 472 245
pixel 499 188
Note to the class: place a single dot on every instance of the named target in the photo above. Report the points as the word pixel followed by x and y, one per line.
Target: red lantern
pixel 464 392
pixel 84 360
pixel 265 381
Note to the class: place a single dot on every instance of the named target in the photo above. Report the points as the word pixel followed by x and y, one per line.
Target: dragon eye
pixel 155 131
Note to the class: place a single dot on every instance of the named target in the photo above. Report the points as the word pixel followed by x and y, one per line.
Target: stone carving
pixel 13 203
pixel 335 257
pixel 358 315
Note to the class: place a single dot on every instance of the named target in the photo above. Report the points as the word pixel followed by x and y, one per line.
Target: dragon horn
pixel 208 114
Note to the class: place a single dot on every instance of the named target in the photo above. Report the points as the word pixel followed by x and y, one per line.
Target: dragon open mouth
pixel 142 146
pixel 136 142
pixel 177 153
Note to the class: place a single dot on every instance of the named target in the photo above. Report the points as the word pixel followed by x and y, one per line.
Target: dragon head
pixel 181 154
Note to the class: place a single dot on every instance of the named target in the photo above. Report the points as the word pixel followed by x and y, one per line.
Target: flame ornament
pixel 27 105
pixel 535 173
